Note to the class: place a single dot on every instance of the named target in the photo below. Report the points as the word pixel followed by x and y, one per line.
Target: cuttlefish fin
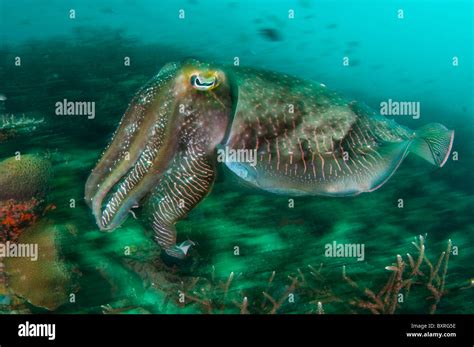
pixel 183 186
pixel 433 142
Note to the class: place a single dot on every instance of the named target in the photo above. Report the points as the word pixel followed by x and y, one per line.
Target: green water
pixel 264 240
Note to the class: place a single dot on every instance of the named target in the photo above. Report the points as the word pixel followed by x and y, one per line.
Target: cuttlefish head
pixel 185 104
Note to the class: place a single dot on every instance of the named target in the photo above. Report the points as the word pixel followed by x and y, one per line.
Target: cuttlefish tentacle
pixel 139 151
pixel 162 156
pixel 183 186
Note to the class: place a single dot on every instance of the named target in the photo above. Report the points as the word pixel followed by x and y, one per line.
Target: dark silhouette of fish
pixel 271 34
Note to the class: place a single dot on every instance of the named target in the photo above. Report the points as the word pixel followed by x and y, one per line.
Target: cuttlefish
pixel 307 139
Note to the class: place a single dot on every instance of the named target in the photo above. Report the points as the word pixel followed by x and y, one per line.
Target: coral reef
pixel 24 178
pixel 23 187
pixel 319 293
pixel 387 299
pixel 270 235
pixel 16 216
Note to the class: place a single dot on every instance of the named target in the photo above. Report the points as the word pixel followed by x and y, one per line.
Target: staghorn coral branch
pixel 244 307
pixel 226 286
pixel 320 308
pixel 214 296
pixel 439 292
pixel 386 300
pixel 270 298
pixel 421 256
pixel 206 304
pixel 269 284
pixel 348 279
pixel 445 269
pixel 397 285
pixel 277 303
pixel 435 271
pixel 300 273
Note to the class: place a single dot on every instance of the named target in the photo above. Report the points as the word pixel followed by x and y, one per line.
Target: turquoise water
pixel 424 57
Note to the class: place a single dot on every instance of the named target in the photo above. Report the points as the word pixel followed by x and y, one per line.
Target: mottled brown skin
pixel 309 139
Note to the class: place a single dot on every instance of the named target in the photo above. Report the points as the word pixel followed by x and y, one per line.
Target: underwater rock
pixel 9 303
pixel 24 179
pixel 48 281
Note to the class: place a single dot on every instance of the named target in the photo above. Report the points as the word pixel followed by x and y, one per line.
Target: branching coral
pixel 316 290
pixel 213 296
pixel 312 286
pixel 386 300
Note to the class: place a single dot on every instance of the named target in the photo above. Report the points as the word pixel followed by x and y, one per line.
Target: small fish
pixel 271 34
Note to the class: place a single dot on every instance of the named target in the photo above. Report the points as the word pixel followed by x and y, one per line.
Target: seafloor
pixel 280 268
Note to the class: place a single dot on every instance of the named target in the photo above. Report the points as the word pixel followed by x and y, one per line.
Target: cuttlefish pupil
pixel 203 83
pixel 323 145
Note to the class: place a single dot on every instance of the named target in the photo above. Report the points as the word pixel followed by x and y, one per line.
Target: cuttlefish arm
pixel 188 180
pixel 162 156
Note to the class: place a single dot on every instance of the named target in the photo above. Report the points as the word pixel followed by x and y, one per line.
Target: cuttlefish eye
pixel 200 82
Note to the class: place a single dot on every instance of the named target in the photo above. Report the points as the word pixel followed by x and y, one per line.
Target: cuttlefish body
pixel 307 140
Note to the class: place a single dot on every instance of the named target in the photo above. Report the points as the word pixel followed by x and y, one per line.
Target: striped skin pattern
pixel 187 182
pixel 143 129
pixel 308 140
pixel 162 157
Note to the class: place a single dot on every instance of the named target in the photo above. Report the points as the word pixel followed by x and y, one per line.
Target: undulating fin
pixel 364 172
pixel 433 142
pixel 183 186
pixel 391 156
